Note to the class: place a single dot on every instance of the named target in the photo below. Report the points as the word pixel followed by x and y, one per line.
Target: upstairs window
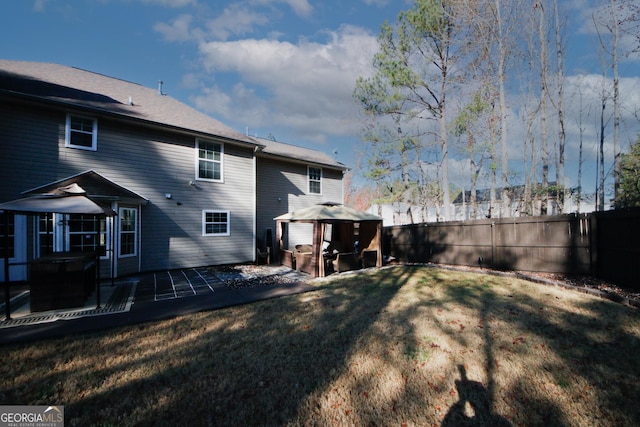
pixel 209 160
pixel 81 132
pixel 315 180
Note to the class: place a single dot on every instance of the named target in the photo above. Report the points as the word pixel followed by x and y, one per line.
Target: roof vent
pixel 131 100
pixel 160 92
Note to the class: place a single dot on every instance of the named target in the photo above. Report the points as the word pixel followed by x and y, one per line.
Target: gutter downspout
pixel 255 203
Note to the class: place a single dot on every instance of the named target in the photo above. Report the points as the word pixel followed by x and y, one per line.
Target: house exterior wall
pixel 145 160
pixel 282 187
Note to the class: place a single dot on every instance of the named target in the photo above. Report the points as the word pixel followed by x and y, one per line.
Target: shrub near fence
pixel 585 244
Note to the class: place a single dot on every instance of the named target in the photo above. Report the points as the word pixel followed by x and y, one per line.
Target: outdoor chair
pixel 346 261
pixel 264 256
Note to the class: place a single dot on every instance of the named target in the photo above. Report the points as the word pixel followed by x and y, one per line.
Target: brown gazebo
pixel 355 239
pixel 71 199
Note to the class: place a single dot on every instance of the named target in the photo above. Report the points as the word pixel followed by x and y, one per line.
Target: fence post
pixel 593 244
pixel 493 245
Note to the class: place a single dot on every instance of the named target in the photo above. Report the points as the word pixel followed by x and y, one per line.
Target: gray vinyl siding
pixel 283 187
pixel 149 162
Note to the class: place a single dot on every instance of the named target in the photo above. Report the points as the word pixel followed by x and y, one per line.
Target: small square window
pixel 215 223
pixel 81 132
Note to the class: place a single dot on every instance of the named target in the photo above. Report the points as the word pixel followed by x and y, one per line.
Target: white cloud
pixel 179 30
pixel 305 86
pixel 237 19
pixel 300 7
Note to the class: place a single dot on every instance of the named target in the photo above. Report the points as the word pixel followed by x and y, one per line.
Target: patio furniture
pixel 264 256
pixel 347 226
pixel 346 261
pixel 288 258
pixel 369 258
pixel 304 258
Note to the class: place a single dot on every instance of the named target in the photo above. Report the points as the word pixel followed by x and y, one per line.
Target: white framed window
pixel 71 232
pixel 216 223
pixel 315 180
pixel 128 229
pixel 209 157
pixel 81 132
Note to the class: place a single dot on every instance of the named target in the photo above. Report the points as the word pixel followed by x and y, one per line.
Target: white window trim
pixel 309 180
pixel 135 233
pixel 94 133
pixel 204 223
pixel 198 178
pixel 61 235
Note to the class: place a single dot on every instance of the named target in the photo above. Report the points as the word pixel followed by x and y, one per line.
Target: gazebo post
pixel 317 249
pixel 7 241
pixel 96 226
pixel 279 233
pixel 113 250
pixel 379 244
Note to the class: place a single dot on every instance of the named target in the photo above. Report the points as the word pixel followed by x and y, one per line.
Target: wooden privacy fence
pixel 601 244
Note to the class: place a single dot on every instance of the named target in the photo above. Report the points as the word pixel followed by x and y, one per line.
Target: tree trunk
pixel 502 51
pixel 542 35
pixel 601 156
pixel 561 131
pixel 616 104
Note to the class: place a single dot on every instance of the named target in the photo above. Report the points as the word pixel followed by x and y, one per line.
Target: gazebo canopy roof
pixel 70 199
pixel 327 212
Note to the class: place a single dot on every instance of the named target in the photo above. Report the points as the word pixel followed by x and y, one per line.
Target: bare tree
pixel 544 95
pixel 581 140
pixel 560 107
pixel 616 101
pixel 503 27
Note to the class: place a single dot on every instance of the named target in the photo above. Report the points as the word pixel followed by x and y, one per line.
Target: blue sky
pixel 285 68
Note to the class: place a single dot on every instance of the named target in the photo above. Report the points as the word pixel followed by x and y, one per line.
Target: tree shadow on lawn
pixel 228 367
pixel 277 362
pixel 589 353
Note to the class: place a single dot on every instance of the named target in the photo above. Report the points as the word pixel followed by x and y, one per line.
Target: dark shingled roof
pixel 100 93
pixel 280 149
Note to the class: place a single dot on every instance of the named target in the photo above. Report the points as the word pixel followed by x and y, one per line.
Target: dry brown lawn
pixel 391 347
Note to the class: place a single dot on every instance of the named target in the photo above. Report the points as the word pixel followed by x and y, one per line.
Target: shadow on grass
pixel 477 397
pixel 591 346
pixel 319 358
pixel 249 365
